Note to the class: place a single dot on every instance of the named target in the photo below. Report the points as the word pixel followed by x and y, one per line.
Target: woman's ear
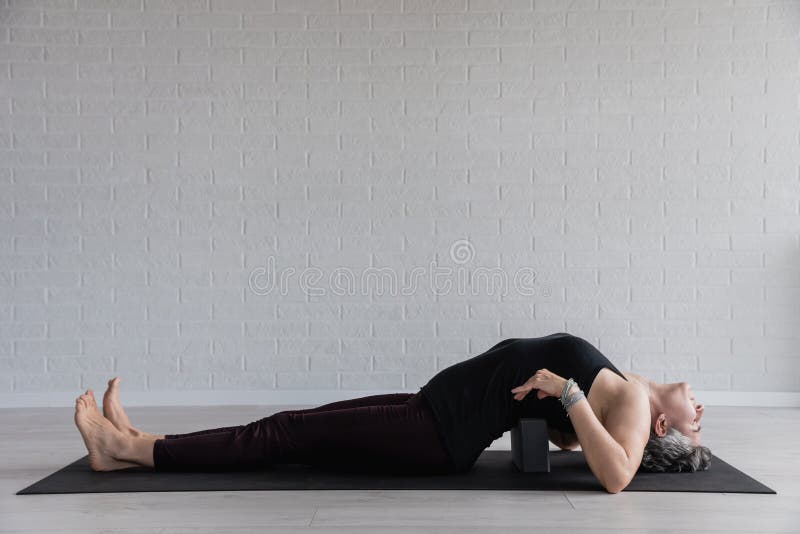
pixel 660 426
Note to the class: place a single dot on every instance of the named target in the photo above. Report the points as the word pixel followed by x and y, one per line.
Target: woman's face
pixel 683 413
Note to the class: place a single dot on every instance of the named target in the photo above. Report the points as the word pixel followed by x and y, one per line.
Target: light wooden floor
pixel 38 441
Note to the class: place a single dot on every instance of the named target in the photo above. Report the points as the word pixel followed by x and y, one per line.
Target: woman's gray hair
pixel 674 452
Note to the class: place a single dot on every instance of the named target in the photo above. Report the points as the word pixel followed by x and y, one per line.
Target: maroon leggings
pixel 386 433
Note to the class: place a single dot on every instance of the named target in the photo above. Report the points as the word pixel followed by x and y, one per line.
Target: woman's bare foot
pixel 113 411
pixel 102 439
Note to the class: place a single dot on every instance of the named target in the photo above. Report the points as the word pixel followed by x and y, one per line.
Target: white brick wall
pixel 641 157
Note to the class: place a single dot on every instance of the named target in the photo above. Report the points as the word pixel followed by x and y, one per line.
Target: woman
pixel 623 422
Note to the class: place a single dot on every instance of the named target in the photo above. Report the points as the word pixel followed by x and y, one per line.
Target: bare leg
pixel 139 450
pixel 113 411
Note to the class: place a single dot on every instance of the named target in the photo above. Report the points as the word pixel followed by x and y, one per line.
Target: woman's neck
pixel 643 380
pixel 653 392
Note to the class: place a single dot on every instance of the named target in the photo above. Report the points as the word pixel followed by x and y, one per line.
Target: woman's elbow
pixel 617 485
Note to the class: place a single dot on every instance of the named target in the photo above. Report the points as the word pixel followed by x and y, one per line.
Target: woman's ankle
pixel 140 450
pixel 148 435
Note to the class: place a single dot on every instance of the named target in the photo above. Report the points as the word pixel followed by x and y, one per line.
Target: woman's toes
pixel 113 410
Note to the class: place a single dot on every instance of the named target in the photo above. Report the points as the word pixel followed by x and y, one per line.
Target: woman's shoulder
pixel 615 386
pixel 615 393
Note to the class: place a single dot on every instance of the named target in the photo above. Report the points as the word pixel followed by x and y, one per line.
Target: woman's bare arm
pixel 615 458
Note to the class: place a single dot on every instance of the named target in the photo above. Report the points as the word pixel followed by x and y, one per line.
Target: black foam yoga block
pixel 530 449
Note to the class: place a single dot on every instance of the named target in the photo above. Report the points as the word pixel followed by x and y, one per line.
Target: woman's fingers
pixel 521 391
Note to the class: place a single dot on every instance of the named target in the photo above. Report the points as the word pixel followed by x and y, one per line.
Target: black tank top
pixel 472 400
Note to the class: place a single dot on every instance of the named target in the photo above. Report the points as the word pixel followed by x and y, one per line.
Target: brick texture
pixel 256 194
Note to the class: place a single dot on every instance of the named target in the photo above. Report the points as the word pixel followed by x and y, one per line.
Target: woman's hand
pixel 547 383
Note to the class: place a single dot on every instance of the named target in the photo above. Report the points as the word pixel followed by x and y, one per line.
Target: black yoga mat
pixel 494 470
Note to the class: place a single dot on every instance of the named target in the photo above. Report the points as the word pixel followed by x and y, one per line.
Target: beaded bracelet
pixel 564 391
